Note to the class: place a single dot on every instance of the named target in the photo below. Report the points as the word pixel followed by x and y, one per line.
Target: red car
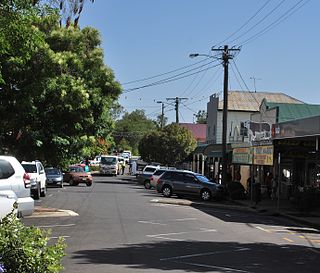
pixel 76 175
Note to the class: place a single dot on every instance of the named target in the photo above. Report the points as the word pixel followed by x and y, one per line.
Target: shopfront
pixel 297 151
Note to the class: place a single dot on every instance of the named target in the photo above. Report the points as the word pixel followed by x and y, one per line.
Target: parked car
pixel 109 164
pixel 144 177
pixel 38 178
pixel 182 183
pixel 155 176
pixel 54 177
pixel 7 200
pixel 13 177
pixel 76 175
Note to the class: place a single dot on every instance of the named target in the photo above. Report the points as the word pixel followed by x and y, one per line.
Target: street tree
pixel 168 146
pixel 57 96
pixel 131 128
pixel 201 117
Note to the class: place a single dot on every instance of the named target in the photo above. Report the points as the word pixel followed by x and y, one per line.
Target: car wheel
pixel 71 182
pixel 36 192
pixel 89 184
pixel 43 192
pixel 147 184
pixel 205 195
pixel 166 191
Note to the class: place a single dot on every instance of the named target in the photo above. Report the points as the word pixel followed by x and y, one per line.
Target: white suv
pixel 38 178
pixel 14 178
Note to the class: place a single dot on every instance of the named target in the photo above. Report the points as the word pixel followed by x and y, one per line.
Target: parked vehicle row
pixel 181 183
pixel 14 178
pixel 24 182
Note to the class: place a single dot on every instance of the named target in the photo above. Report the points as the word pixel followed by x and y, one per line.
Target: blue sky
pixel 146 38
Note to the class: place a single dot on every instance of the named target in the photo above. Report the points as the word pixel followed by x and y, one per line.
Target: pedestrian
pixel 268 182
pixel 256 192
pixel 123 165
pixel 274 188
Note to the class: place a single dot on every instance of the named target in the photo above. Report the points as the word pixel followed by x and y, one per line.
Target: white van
pixel 109 164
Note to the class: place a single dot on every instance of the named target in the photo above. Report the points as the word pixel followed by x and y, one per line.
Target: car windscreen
pixel 30 168
pixel 202 178
pixel 76 170
pixel 6 170
pixel 52 171
pixel 149 170
pixel 108 160
pixel 159 172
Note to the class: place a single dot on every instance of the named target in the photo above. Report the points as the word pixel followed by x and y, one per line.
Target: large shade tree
pixel 56 94
pixel 131 128
pixel 168 146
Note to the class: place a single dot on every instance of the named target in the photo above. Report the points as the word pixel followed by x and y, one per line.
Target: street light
pixel 226 56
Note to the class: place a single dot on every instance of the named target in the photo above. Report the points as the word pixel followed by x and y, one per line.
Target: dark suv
pixel 189 183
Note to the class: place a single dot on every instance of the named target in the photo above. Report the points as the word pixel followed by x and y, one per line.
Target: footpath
pixel 267 206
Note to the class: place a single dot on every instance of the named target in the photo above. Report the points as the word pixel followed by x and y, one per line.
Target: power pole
pixel 162 113
pixel 176 106
pixel 226 56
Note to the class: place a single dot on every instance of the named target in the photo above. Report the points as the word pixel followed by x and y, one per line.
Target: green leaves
pixel 168 146
pixel 54 87
pixel 27 249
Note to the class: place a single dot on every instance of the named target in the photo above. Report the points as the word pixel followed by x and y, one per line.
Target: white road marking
pixel 152 223
pixel 50 195
pixel 51 226
pixel 228 269
pixel 56 237
pixel 228 215
pixel 185 219
pixel 203 254
pixel 263 229
pixel 287 239
pixel 182 232
pixel 168 234
pixel 167 238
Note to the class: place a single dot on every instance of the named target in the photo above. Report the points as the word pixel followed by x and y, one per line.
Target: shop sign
pixel 263 155
pixel 242 155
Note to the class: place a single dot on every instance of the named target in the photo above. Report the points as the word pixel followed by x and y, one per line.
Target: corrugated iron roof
pixel 294 111
pixel 198 130
pixel 250 101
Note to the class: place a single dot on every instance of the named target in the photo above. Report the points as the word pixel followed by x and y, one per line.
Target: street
pixel 119 230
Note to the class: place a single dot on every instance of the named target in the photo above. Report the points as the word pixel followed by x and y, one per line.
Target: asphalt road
pixel 119 230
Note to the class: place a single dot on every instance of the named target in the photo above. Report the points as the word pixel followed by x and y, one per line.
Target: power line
pixel 235 65
pixel 246 23
pixel 282 18
pixel 162 74
pixel 260 21
pixel 170 79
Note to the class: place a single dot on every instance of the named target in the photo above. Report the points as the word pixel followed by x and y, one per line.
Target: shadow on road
pixel 193 256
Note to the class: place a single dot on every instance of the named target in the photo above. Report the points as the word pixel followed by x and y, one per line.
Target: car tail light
pixel 26 180
pixel 158 182
pixel 151 178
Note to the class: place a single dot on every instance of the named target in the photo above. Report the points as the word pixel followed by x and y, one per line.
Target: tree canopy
pixel 56 95
pixel 130 129
pixel 168 146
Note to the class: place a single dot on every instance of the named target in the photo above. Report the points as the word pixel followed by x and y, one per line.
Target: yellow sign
pixel 242 155
pixel 263 155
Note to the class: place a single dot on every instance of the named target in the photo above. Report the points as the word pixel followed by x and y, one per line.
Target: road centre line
pixel 51 226
pixel 185 219
pixel 287 239
pixel 182 232
pixel 167 238
pixel 62 236
pixel 157 222
pixel 203 254
pixel 228 269
pixel 263 229
pixel 152 223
